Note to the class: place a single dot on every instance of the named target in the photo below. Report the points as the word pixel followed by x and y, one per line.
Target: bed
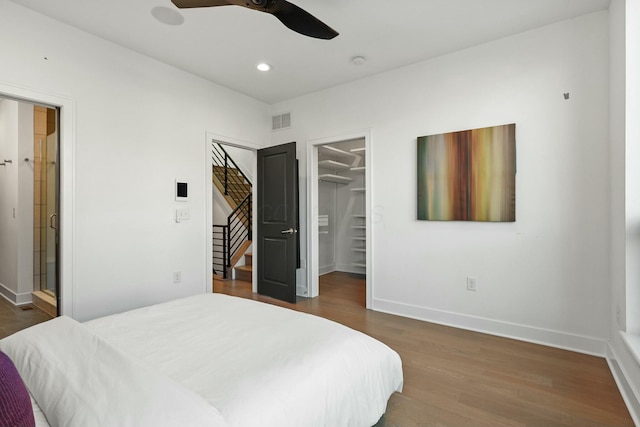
pixel 208 360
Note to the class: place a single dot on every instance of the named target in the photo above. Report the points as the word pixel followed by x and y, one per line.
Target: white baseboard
pixel 563 340
pixel 14 298
pixel 348 268
pixel 326 269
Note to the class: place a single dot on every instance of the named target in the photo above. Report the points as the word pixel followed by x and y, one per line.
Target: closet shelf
pixel 363 238
pixel 334 178
pixel 358 150
pixel 358 216
pixel 332 164
pixel 359 249
pixel 362 227
pixel 338 153
pixel 359 264
pixel 359 169
pixel 358 190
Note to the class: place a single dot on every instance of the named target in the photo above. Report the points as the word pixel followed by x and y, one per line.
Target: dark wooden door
pixel 277 221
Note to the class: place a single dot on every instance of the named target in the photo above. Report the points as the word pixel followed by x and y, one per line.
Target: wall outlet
pixel 472 283
pixel 177 276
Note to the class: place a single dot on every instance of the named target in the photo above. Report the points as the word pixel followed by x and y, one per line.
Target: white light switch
pixel 182 215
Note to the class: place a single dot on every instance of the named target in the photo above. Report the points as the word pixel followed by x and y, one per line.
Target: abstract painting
pixel 468 175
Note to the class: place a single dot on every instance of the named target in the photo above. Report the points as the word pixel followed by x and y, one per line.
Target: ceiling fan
pixel 289 14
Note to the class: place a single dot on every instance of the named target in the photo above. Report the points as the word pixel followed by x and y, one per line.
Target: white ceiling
pixel 224 44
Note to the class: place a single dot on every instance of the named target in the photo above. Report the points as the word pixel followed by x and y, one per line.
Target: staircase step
pixel 248 258
pixel 232 174
pixel 244 273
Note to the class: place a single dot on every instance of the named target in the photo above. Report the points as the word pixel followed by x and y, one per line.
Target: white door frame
pixel 67 183
pixel 312 209
pixel 225 140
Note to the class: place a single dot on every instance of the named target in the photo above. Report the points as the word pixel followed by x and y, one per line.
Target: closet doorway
pixel 340 249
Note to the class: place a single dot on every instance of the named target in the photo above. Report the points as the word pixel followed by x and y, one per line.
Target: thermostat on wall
pixel 182 190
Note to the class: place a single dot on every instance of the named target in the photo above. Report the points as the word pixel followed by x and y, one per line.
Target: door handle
pixel 290 231
pixel 51 219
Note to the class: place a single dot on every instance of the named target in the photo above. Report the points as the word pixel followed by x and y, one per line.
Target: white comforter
pixel 261 365
pixel 255 364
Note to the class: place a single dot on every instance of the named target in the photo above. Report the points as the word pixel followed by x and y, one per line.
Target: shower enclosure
pixel 46 195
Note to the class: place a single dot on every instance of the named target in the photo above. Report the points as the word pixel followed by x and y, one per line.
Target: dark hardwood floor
pixel 14 319
pixel 454 377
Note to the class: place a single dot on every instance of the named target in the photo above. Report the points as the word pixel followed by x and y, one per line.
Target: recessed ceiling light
pixel 358 60
pixel 167 16
pixel 263 66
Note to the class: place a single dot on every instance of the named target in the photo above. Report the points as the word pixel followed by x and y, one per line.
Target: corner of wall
pixel 626 373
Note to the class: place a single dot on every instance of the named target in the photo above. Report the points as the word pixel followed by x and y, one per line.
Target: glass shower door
pixel 49 233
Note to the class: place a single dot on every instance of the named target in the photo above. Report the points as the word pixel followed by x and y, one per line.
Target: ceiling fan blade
pixel 184 4
pixel 289 14
pixel 300 20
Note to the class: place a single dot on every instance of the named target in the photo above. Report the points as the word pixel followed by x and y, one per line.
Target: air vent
pixel 281 121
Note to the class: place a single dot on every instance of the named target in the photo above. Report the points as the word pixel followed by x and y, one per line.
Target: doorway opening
pixel 340 205
pixel 272 220
pixel 29 149
pixel 218 211
pixel 232 212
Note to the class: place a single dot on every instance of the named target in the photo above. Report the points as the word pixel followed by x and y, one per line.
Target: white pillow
pixel 78 379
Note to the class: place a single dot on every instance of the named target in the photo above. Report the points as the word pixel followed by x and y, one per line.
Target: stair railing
pixel 220 248
pixel 239 227
pixel 232 184
pixel 228 239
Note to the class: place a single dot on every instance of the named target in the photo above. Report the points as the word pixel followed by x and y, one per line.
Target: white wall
pixel 8 199
pixel 25 201
pixel 16 201
pixel 221 208
pixel 327 235
pixel 139 124
pixel 243 159
pixel 543 278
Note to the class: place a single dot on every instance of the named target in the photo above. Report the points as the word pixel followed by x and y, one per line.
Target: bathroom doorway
pixel 29 147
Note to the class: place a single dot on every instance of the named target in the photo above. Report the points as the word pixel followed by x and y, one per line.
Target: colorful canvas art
pixel 468 175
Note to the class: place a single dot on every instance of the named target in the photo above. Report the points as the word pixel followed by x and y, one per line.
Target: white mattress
pixel 209 360
pixel 261 365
